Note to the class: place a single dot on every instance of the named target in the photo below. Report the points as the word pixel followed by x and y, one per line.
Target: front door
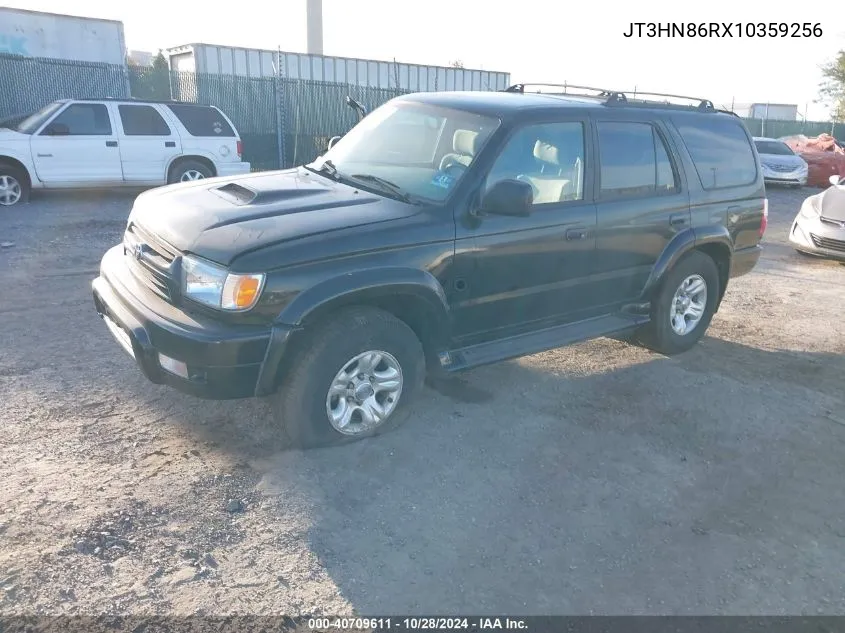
pixel 147 143
pixel 526 272
pixel 78 147
pixel 641 206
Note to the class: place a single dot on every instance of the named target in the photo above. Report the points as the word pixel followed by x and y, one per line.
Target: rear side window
pixel 202 120
pixel 142 120
pixel 634 161
pixel 720 151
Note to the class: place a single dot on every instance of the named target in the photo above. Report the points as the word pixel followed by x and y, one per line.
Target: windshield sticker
pixel 443 180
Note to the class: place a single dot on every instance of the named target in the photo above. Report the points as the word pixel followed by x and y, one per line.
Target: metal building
pixel 249 62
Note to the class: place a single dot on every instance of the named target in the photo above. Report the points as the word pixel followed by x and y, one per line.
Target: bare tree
pixel 832 89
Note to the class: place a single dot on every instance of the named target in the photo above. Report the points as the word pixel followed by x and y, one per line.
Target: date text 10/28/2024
pixel 416 624
pixel 723 29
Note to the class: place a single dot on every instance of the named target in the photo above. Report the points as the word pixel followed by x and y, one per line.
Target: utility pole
pixel 314 11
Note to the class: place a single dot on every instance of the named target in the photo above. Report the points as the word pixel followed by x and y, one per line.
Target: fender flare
pixel 359 287
pixel 680 245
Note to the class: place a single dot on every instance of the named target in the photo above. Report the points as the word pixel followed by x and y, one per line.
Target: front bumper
pixel 818 237
pixel 796 177
pixel 222 361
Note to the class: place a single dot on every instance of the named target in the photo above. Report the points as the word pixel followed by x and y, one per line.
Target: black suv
pixel 444 231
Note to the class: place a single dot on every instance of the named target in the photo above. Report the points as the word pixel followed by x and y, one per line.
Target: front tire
pixel 353 377
pixel 684 305
pixel 14 186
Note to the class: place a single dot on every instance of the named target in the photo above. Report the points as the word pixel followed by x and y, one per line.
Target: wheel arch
pixel 713 241
pixel 413 296
pixel 11 161
pixel 204 160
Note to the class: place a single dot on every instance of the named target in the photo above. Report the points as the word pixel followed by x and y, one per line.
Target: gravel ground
pixel 599 478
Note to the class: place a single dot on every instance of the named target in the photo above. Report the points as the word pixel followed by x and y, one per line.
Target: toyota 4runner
pixel 443 232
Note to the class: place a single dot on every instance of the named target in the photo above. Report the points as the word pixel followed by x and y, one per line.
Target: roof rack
pixel 620 97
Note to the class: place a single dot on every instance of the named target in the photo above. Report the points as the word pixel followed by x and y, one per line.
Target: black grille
pixel 150 260
pixel 829 244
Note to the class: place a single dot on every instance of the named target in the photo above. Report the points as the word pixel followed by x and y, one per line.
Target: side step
pixel 539 341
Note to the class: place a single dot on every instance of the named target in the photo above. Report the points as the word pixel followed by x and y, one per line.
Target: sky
pixel 535 40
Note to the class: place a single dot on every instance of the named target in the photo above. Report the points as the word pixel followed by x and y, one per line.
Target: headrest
pixel 546 152
pixel 463 142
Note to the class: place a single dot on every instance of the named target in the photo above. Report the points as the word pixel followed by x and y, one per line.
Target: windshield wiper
pixel 385 184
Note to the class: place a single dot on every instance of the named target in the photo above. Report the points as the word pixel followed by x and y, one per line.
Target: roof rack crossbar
pixel 619 96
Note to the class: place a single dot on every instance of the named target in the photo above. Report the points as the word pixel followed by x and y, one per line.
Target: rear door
pixel 78 147
pixel 641 204
pixel 147 143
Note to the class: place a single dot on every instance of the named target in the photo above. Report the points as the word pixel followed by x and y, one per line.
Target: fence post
pixel 280 110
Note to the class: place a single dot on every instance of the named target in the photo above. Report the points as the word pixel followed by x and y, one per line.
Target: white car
pixel 106 143
pixel 780 164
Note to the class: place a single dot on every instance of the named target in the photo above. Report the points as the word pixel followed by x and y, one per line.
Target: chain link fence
pixel 282 122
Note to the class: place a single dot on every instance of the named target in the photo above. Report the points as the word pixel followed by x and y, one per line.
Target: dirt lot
pixel 595 479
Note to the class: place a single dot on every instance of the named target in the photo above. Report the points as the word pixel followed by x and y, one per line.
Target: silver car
pixel 780 164
pixel 819 227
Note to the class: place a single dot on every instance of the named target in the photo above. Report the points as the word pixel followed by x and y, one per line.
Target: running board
pixel 539 341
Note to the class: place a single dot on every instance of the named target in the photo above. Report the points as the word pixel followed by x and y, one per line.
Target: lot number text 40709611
pixel 723 29
pixel 415 624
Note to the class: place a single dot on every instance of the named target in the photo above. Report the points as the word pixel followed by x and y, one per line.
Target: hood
pixel 221 218
pixel 833 203
pixel 10 135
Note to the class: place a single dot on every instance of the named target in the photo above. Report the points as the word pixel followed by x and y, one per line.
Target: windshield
pixel 409 150
pixel 773 147
pixel 34 121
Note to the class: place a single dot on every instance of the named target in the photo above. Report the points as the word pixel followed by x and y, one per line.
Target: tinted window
pixel 142 120
pixel 202 120
pixel 720 151
pixel 773 147
pixel 634 161
pixel 82 119
pixel 549 156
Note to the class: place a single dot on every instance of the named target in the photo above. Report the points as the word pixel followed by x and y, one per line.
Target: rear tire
pixel 14 186
pixel 676 324
pixel 334 390
pixel 187 171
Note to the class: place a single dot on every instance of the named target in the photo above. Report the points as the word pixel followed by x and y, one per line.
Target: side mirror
pixel 835 179
pixel 333 141
pixel 509 197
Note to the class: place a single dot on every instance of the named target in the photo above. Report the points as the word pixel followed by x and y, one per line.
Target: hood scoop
pixel 240 195
pixel 235 193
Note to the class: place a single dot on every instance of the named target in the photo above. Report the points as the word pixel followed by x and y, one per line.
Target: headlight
pixel 809 209
pixel 214 286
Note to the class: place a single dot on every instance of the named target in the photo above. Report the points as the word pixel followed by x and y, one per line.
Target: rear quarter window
pixel 202 120
pixel 720 150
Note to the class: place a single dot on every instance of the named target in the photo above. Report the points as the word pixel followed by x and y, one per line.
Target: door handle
pixel 679 219
pixel 111 143
pixel 170 143
pixel 576 234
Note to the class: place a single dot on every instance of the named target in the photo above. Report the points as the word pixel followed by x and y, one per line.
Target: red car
pixel 823 154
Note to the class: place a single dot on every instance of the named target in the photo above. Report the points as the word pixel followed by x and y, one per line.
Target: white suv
pixel 105 143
